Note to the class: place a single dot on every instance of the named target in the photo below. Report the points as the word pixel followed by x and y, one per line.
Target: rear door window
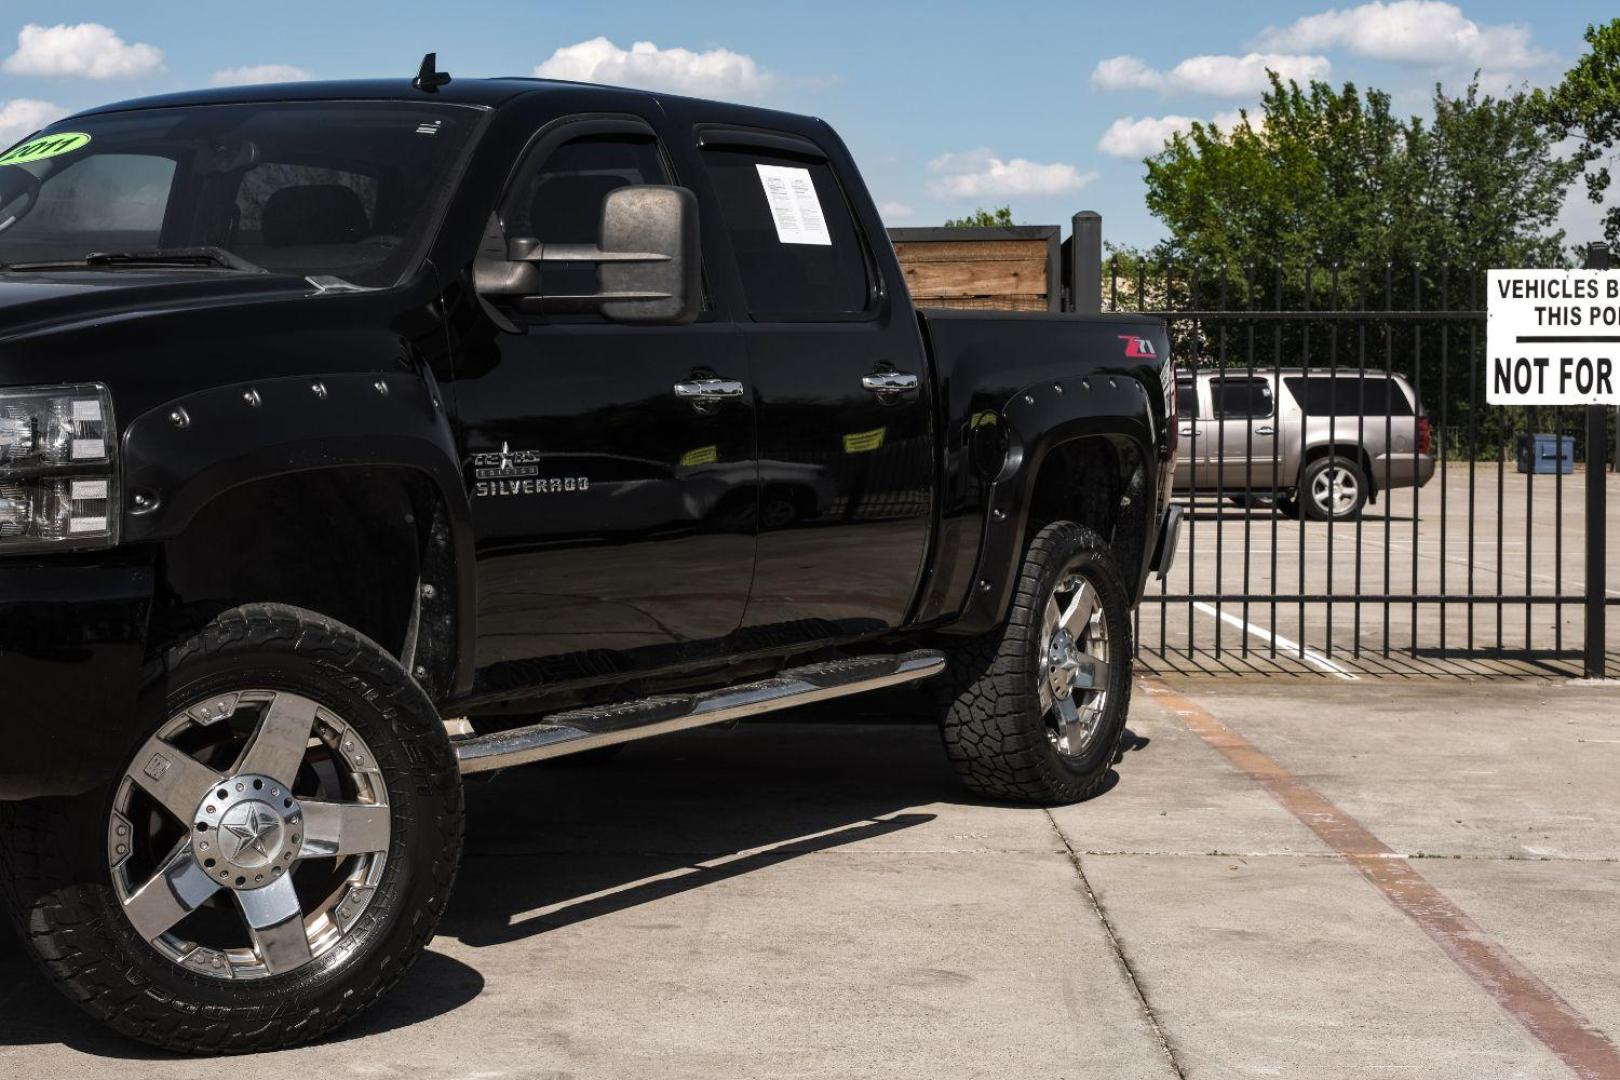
pixel 1186 399
pixel 1240 398
pixel 1348 395
pixel 796 243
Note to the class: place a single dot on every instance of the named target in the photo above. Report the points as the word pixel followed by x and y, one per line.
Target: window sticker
pixel 62 142
pixel 795 208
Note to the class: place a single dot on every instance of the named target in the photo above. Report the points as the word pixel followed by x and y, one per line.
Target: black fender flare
pixel 1034 422
pixel 179 457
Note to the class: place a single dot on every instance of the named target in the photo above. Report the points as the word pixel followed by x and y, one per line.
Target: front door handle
pixel 1186 431
pixel 1267 430
pixel 891 384
pixel 708 391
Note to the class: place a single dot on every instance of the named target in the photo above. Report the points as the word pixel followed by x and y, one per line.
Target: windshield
pixel 340 189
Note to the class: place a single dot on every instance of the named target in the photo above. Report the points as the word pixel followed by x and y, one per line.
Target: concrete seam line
pixel 1576 1041
pixel 1114 945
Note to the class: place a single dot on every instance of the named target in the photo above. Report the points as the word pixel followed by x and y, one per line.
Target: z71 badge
pixel 517 472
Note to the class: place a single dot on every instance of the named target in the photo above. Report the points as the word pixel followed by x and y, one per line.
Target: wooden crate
pixel 1009 269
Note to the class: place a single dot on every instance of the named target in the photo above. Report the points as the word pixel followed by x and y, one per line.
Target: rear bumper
pixel 1164 555
pixel 72 646
pixel 1402 470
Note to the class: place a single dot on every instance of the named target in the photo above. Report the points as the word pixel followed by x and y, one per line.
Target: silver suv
pixel 1324 442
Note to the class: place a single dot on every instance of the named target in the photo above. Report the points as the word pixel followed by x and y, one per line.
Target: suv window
pixel 1348 395
pixel 1186 399
pixel 558 200
pixel 1240 398
pixel 797 247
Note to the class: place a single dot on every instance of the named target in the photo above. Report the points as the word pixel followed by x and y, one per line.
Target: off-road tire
pixel 993 723
pixel 56 885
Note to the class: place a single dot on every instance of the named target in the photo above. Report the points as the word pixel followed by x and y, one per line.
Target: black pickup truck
pixel 358 436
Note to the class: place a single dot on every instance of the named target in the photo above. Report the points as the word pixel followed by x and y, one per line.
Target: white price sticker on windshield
pixel 795 208
pixel 1552 337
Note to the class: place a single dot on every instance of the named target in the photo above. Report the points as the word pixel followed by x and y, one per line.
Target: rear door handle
pixel 708 391
pixel 891 384
pixel 1267 430
pixel 1186 431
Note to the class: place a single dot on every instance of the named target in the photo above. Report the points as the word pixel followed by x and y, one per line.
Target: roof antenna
pixel 428 77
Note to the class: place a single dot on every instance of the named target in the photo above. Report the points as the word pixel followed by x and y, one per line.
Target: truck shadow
pixel 556 845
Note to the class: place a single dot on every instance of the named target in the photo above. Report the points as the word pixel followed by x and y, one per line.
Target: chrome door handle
pixel 1186 431
pixel 708 391
pixel 1267 430
pixel 890 384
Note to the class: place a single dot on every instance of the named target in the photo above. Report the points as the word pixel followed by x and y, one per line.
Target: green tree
pixel 1332 177
pixel 1586 106
pixel 982 219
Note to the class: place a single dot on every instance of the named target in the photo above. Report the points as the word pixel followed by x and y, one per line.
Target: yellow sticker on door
pixel 46 146
pixel 864 442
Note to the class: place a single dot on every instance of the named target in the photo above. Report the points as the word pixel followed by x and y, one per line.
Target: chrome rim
pixel 1335 490
pixel 1075 664
pixel 249 834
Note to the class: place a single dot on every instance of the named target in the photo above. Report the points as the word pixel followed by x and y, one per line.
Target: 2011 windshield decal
pixel 62 142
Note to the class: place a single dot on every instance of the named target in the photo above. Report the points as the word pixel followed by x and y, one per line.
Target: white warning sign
pixel 791 194
pixel 1552 337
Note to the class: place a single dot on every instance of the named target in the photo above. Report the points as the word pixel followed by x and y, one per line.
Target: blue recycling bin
pixel 1543 453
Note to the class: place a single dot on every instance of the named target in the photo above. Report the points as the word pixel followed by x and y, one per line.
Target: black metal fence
pixel 1459 555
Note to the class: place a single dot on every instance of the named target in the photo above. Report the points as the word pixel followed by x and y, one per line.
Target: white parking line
pixel 1312 657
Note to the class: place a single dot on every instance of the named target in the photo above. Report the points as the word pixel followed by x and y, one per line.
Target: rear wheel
pixel 274 856
pixel 1332 489
pixel 1035 711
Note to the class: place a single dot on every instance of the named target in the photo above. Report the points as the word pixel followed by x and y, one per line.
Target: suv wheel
pixel 1035 711
pixel 1332 489
pixel 275 855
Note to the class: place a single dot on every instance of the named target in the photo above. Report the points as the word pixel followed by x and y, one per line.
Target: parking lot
pixel 1379 877
pixel 1484 531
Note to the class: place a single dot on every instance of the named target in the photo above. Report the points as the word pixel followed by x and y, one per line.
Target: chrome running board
pixel 586 729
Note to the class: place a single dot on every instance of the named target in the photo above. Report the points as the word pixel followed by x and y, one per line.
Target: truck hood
pixel 31 303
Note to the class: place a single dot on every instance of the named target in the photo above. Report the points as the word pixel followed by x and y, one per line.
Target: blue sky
pixel 1047 106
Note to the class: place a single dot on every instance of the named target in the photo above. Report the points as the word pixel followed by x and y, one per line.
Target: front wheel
pixel 1034 712
pixel 274 856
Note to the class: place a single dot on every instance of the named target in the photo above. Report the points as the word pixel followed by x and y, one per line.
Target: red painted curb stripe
pixel 1588 1052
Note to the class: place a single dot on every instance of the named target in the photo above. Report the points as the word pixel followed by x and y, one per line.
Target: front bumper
pixel 72 647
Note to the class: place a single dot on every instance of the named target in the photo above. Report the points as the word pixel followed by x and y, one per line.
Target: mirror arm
pixel 533 251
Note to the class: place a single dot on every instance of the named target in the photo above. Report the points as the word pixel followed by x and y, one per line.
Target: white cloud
pixel 1126 73
pixel 1411 32
pixel 24 116
pixel 1215 76
pixel 976 173
pixel 1129 137
pixel 82 51
pixel 715 73
pixel 892 210
pixel 253 74
pixel 1244 76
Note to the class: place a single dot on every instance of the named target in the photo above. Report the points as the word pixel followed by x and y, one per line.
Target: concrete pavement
pixel 804 898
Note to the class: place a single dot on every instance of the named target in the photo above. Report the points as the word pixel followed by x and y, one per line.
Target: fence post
pixel 1085 263
pixel 1597 458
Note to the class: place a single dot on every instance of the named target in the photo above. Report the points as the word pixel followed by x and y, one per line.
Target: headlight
pixel 58 468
